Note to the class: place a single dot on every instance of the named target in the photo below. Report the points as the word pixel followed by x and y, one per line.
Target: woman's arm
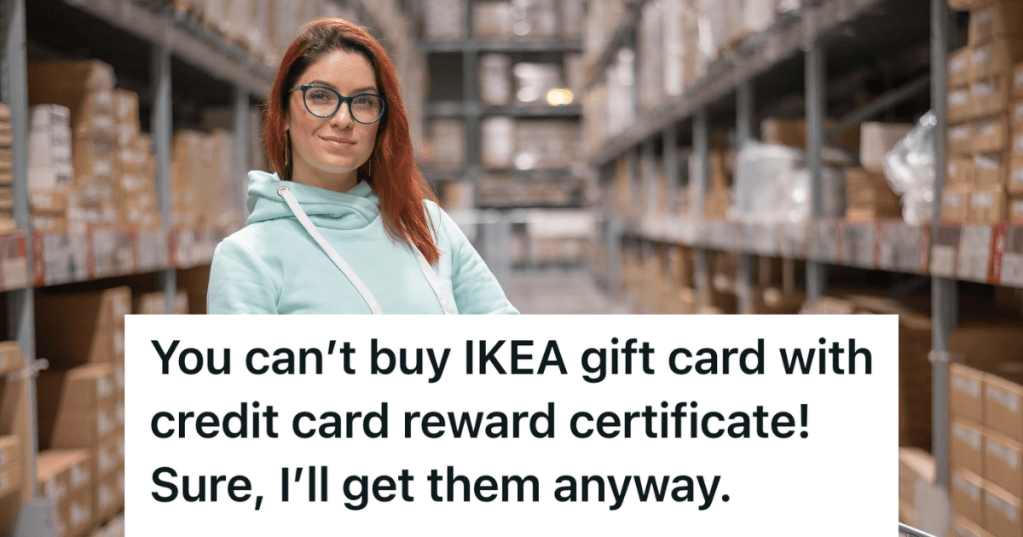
pixel 476 289
pixel 239 281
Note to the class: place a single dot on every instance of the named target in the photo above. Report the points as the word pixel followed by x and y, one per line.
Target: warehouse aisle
pixel 559 292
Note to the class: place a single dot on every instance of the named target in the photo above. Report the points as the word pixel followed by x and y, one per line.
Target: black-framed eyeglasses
pixel 324 102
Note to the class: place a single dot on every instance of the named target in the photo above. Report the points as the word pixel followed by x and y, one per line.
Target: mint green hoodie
pixel 272 265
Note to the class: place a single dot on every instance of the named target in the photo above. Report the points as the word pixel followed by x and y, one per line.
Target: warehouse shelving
pixel 797 48
pixel 480 45
pixel 455 95
pixel 178 66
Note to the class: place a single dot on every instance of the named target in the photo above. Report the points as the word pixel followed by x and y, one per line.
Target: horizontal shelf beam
pixel 210 53
pixel 571 45
pixel 966 252
pixel 788 36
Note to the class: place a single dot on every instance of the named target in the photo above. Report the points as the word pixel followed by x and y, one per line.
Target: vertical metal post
pixel 816 276
pixel 649 177
pixel 632 169
pixel 20 304
pixel 744 112
pixel 160 78
pixel 471 96
pixel 671 168
pixel 698 187
pixel 744 131
pixel 944 297
pixel 242 131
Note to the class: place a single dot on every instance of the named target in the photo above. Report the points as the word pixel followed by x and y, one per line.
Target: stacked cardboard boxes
pixel 89 164
pixel 78 409
pixel 135 166
pixel 66 477
pixel 81 398
pixel 202 176
pixel 14 432
pixel 986 428
pixel 86 88
pixel 156 304
pixel 915 466
pixel 983 124
pixel 92 323
pixel 50 174
pixel 867 191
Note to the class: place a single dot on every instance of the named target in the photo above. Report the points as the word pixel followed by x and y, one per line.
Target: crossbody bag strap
pixel 339 261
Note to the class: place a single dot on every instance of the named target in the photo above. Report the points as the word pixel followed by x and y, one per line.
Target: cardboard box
pixel 10 479
pixel 966 392
pixel 998 19
pixel 77 427
pixel 62 473
pixel 915 464
pixel 87 386
pixel 88 321
pixel 108 456
pixel 991 135
pixel 996 58
pixel 108 497
pixel 959 68
pixel 792 132
pixel 1003 399
pixel 955 200
pixel 869 196
pixel 1001 512
pixel 964 527
pixel 991 170
pixel 1016 209
pixel 966 491
pixel 126 107
pixel 959 171
pixel 960 105
pixel 93 160
pixel 989 97
pixel 84 87
pixel 960 139
pixel 966 445
pixel 988 207
pixel 75 515
pixel 1016 117
pixel 1015 184
pixel 876 139
pixel 1003 462
pixel 10 450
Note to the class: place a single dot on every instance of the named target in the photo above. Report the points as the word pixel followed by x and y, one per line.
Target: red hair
pixel 402 189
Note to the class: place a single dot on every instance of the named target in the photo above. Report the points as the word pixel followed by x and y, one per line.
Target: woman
pixel 347 223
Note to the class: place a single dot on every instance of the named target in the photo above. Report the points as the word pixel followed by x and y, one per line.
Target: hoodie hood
pixel 354 209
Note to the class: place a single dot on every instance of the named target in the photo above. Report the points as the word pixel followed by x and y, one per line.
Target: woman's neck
pixel 328 181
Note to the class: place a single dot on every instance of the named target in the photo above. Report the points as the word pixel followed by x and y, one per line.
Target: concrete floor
pixel 562 291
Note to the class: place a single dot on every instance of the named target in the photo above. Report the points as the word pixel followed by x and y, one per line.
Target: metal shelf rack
pixel 803 41
pixel 473 111
pixel 147 41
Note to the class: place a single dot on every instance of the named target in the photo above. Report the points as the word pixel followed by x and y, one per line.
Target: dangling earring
pixel 287 151
pixel 369 169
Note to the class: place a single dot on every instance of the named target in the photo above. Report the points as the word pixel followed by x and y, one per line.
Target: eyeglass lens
pixel 324 103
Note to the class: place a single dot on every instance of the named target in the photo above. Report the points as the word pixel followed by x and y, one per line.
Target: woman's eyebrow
pixel 333 87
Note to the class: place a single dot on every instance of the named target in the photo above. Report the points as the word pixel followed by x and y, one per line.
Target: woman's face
pixel 327 152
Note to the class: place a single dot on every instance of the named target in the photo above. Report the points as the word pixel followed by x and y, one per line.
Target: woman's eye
pixel 320 95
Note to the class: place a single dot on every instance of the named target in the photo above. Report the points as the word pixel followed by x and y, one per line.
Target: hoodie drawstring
pixel 346 269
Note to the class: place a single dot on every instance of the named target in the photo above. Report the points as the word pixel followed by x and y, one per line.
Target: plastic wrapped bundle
pixel 772 184
pixel 909 167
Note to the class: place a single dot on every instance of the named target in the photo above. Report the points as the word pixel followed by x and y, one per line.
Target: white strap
pixel 371 301
pixel 431 276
